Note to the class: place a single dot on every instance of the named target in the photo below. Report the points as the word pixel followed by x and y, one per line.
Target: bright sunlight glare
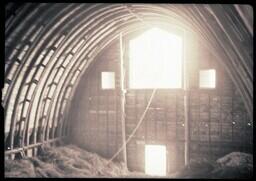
pixel 156 60
pixel 208 78
pixel 155 160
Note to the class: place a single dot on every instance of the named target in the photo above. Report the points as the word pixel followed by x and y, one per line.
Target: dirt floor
pixel 72 161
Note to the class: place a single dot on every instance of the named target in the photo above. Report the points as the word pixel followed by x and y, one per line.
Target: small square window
pixel 207 78
pixel 108 80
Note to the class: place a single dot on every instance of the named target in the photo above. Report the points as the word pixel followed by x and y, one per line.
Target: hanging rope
pixel 146 109
pixel 134 130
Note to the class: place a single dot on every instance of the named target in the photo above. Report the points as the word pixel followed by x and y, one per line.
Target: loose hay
pixel 64 161
pixel 235 159
pixel 233 165
pixel 19 168
pixel 72 161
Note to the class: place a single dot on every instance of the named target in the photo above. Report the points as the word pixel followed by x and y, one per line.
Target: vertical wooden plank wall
pixel 96 113
pixel 218 119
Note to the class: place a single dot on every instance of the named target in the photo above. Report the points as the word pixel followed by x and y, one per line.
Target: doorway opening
pixel 155 160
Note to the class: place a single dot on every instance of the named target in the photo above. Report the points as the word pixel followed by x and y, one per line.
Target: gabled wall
pixel 218 119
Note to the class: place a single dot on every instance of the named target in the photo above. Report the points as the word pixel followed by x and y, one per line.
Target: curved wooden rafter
pixel 49 46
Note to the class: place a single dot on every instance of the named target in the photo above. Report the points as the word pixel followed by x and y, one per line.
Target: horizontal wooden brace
pixel 17 150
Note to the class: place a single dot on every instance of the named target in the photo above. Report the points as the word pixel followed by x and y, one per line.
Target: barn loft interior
pixel 128 90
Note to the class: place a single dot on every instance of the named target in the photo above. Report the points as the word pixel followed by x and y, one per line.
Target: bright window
pixel 155 160
pixel 207 78
pixel 155 60
pixel 107 80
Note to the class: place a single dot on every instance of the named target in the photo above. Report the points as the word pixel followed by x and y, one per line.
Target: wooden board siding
pixel 96 112
pixel 97 120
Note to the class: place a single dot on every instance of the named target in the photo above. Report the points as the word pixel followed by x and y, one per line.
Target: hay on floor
pixel 72 161
pixel 233 165
pixel 64 161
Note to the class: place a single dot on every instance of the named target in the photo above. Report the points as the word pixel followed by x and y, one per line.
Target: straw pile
pixel 233 165
pixel 64 161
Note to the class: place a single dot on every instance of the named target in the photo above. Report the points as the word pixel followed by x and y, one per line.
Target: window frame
pixel 207 88
pixel 172 30
pixel 101 81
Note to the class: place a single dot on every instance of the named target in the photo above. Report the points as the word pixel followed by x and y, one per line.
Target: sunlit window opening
pixel 108 80
pixel 155 160
pixel 207 78
pixel 155 60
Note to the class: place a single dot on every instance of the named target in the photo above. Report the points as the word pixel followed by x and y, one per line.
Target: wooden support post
pixel 186 101
pixel 122 100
